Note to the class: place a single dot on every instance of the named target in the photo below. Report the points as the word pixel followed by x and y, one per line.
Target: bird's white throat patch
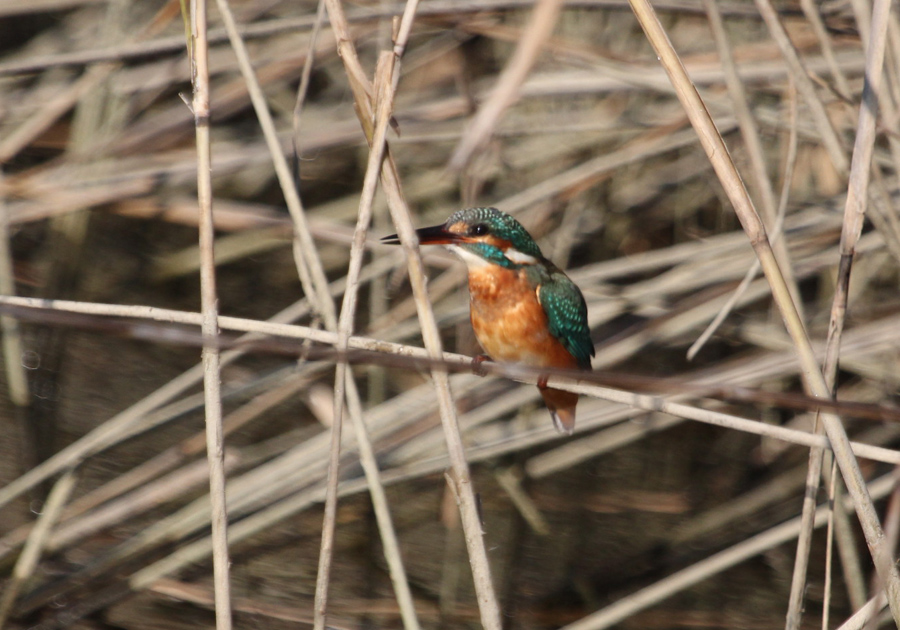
pixel 474 261
pixel 518 257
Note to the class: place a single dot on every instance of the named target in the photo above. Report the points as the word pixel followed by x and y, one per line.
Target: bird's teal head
pixel 482 236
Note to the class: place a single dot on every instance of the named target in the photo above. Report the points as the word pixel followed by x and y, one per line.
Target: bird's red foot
pixel 542 381
pixel 477 360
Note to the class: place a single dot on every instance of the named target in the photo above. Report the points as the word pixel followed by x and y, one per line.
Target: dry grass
pixel 586 137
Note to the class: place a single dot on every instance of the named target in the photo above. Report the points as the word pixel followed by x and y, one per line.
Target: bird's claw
pixel 477 360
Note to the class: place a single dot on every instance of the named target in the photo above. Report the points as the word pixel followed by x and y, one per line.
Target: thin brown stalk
pixel 772 214
pixel 891 530
pixel 848 548
pixel 861 617
pixel 468 506
pixel 812 375
pixel 215 449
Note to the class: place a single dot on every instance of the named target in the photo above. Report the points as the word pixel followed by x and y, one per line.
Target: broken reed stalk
pixel 731 181
pixel 215 450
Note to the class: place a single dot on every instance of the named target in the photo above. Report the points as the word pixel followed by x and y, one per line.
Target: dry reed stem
pixel 383 106
pixel 854 211
pixel 891 531
pixel 303 88
pixel 811 11
pixel 753 143
pixel 13 357
pixel 851 557
pixel 215 449
pixel 857 195
pixel 708 567
pixel 861 618
pixel 804 540
pixel 515 372
pixel 313 278
pixel 481 574
pixel 309 270
pixel 375 129
pixel 780 213
pixel 829 548
pixel 36 542
pixel 488 605
pixel 805 86
pixel 731 181
pixel 506 89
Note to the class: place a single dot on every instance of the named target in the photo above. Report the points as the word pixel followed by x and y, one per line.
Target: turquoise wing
pixel 566 311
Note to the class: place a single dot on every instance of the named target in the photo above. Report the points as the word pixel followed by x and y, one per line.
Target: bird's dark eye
pixel 479 230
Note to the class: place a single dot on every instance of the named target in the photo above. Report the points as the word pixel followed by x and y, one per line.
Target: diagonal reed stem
pixel 812 375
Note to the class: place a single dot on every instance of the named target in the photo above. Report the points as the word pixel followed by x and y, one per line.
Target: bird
pixel 523 308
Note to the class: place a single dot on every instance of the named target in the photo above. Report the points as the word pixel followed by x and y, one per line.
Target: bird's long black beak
pixel 435 235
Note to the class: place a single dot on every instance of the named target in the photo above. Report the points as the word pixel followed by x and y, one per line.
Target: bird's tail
pixel 562 408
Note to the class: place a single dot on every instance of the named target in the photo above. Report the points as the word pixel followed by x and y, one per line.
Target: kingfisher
pixel 523 308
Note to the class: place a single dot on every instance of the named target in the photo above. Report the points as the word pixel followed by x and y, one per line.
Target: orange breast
pixel 509 322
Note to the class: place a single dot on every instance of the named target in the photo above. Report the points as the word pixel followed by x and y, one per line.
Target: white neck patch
pixel 474 261
pixel 514 255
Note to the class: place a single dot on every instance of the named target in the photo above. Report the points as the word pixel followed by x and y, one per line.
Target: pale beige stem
pixel 215 449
